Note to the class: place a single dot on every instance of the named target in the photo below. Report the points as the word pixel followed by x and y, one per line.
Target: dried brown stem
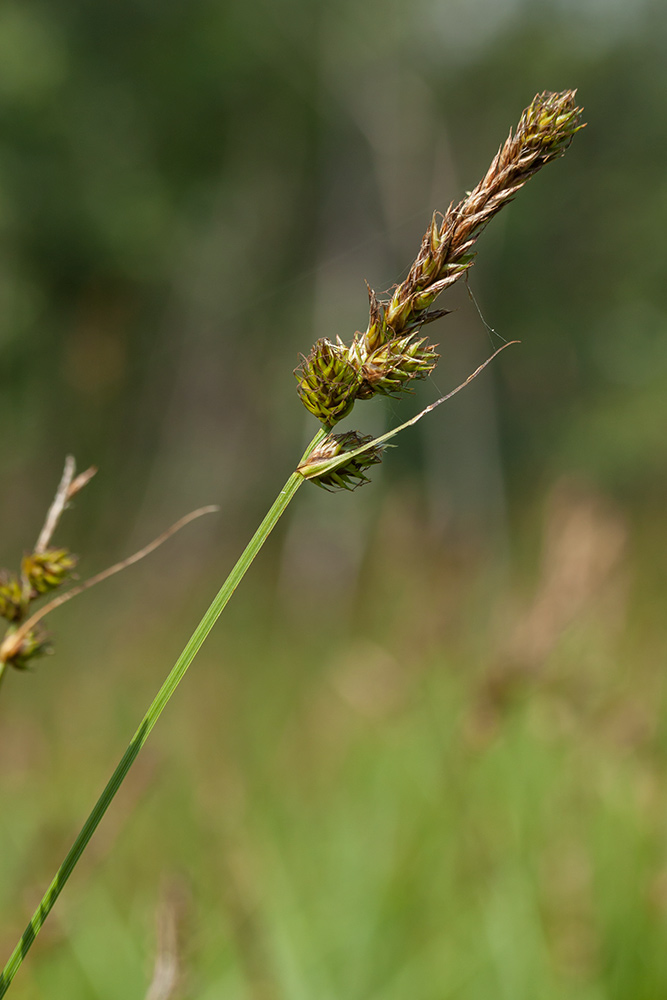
pixel 81 480
pixel 68 487
pixel 57 507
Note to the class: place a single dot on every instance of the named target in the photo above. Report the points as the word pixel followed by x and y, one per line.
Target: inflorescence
pixel 393 351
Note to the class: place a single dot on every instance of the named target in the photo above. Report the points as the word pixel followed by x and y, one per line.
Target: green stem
pixel 152 715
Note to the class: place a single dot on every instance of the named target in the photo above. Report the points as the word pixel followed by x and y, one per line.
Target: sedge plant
pixel 384 360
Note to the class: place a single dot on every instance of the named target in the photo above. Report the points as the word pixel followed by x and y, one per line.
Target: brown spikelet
pixel 544 132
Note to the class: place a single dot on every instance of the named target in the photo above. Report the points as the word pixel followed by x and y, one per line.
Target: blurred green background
pixel 424 754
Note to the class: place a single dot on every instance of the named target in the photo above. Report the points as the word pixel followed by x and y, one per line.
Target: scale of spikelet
pixel 346 476
pixel 328 381
pixel 11 597
pixel 47 570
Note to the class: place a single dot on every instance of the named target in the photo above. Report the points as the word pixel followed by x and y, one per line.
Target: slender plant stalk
pixel 385 359
pixel 152 715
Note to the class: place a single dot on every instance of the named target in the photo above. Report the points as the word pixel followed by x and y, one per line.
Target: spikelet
pixel 348 475
pixel 18 655
pixel 47 570
pixel 328 382
pixel 11 597
pixel 390 367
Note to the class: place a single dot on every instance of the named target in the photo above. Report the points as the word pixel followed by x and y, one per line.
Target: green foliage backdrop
pixel 436 767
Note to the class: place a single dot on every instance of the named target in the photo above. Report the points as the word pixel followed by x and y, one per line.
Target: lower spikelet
pixel 348 475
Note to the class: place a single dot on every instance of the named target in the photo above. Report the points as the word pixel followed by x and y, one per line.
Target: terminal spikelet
pixel 544 132
pixel 33 644
pixel 392 352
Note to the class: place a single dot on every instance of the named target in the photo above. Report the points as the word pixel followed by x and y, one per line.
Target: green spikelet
pixel 388 369
pixel 11 598
pixel 347 476
pixel 35 643
pixel 47 570
pixel 328 382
